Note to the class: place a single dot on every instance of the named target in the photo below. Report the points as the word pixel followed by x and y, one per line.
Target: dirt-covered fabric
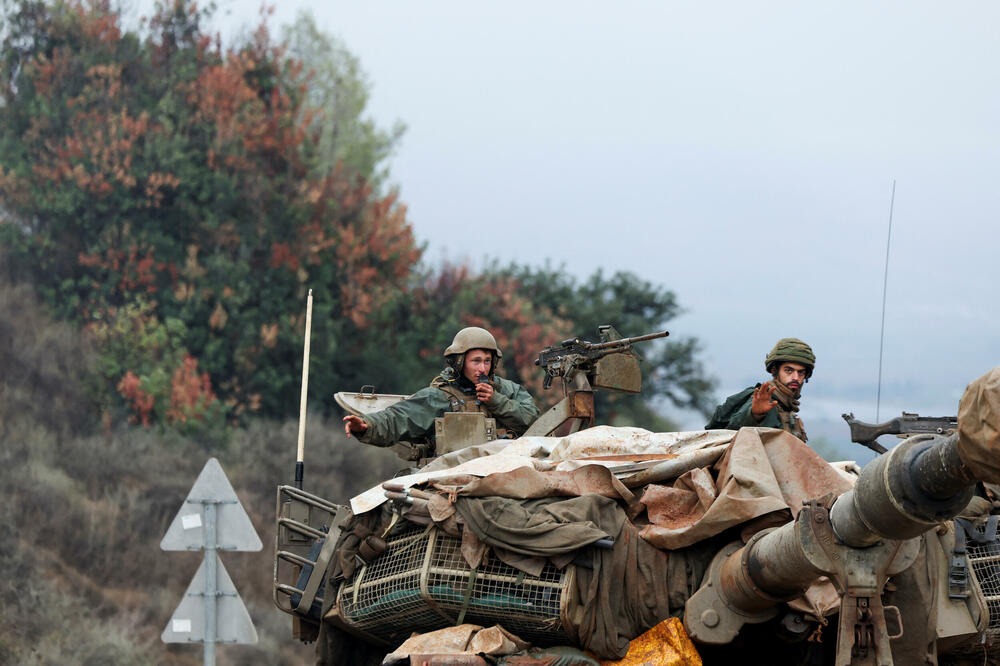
pixel 979 426
pixel 545 527
pixel 529 483
pixel 625 592
pixel 765 470
pixel 463 639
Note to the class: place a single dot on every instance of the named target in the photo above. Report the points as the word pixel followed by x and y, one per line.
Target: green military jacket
pixel 735 413
pixel 413 419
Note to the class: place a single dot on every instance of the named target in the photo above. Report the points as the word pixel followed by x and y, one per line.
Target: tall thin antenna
pixel 885 283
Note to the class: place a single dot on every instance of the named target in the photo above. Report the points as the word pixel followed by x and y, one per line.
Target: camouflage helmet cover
pixel 473 337
pixel 790 350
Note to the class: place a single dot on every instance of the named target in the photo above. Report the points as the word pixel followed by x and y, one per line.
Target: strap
pixel 460 402
pixel 958 569
pixel 467 597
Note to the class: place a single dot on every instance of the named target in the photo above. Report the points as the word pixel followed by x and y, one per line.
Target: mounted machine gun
pixel 583 367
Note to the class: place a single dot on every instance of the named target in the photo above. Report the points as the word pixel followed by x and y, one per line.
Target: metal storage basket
pixel 422 583
pixel 984 561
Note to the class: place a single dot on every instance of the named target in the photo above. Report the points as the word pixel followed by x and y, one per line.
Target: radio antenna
pixel 885 282
pixel 300 451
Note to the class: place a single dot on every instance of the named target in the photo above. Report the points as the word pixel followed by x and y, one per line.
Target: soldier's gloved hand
pixel 354 424
pixel 762 401
pixel 484 391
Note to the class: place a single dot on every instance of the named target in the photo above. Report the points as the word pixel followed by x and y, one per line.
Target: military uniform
pixel 735 412
pixel 413 419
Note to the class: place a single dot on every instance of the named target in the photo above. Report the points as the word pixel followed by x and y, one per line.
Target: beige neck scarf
pixel 788 408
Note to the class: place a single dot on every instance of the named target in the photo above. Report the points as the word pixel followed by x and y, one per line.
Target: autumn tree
pixel 529 308
pixel 164 178
pixel 176 198
pixel 672 373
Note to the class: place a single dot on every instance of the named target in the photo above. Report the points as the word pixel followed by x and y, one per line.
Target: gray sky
pixel 740 154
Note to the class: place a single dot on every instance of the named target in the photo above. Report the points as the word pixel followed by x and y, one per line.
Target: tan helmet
pixel 791 350
pixel 470 338
pixel 473 337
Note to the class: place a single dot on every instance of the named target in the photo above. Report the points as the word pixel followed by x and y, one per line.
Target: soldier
pixel 468 384
pixel 775 403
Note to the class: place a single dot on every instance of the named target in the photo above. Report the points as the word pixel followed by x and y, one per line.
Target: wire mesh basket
pixel 422 583
pixel 983 557
pixel 984 561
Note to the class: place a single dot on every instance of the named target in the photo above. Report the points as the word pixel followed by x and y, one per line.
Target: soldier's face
pixel 792 375
pixel 477 362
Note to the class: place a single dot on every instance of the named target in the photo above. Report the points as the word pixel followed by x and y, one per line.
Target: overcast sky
pixel 740 154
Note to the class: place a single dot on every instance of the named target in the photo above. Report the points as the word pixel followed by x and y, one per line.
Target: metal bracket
pixel 860 575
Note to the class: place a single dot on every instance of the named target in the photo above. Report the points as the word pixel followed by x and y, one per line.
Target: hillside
pixel 85 508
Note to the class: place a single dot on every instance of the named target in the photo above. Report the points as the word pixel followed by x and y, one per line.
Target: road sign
pixel 187 624
pixel 234 531
pixel 211 519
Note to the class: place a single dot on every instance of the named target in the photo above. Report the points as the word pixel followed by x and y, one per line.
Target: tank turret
pixel 858 540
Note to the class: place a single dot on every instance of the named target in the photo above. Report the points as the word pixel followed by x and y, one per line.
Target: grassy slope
pixel 83 579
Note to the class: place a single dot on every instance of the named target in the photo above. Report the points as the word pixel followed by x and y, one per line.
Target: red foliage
pixel 190 393
pixel 135 268
pixel 281 255
pixel 130 388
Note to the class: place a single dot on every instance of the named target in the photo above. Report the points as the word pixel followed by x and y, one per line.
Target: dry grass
pixel 83 578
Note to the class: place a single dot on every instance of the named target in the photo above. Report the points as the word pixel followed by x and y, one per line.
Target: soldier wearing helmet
pixel 774 403
pixel 467 384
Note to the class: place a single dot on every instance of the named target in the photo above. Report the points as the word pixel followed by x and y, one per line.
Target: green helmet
pixel 791 350
pixel 473 337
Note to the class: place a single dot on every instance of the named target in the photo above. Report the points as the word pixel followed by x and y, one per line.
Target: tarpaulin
pixel 979 426
pixel 764 470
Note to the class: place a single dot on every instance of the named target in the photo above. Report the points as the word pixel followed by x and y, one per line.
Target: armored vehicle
pixel 711 547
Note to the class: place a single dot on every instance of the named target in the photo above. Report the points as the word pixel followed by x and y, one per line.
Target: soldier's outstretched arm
pixel 407 420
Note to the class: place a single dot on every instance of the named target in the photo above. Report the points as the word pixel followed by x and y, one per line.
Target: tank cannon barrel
pixel 902 494
pixel 860 539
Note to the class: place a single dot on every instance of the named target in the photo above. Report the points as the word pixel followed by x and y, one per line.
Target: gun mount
pixel 906 424
pixel 858 539
pixel 583 367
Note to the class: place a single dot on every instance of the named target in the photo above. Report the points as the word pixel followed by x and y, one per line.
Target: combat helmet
pixel 790 350
pixel 472 337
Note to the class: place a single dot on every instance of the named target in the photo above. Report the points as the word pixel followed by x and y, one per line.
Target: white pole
pixel 300 454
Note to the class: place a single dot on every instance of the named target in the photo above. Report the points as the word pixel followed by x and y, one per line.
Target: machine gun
pixel 907 424
pixel 583 367
pixel 575 355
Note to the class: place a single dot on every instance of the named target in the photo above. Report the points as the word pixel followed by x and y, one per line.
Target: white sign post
pixel 211 519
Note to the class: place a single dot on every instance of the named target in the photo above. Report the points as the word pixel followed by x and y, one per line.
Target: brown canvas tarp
pixel 764 471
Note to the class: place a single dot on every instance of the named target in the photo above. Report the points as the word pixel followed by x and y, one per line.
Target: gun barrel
pixel 625 342
pixel 898 496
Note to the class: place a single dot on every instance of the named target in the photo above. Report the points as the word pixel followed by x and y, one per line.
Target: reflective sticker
pixel 191 521
pixel 181 626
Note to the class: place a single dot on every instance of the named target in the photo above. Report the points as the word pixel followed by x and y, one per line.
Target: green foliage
pixel 336 93
pixel 530 308
pixel 195 184
pixel 177 200
pixel 635 306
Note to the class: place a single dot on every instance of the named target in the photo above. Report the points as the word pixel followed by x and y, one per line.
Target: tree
pixel 177 199
pixel 336 93
pixel 164 170
pixel 671 369
pixel 530 308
